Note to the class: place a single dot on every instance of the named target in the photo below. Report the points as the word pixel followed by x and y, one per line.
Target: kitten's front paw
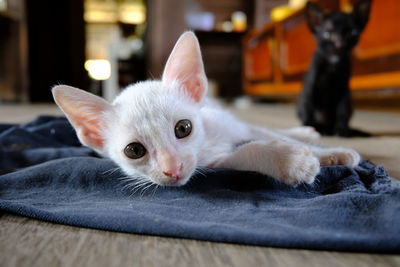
pixel 339 156
pixel 297 164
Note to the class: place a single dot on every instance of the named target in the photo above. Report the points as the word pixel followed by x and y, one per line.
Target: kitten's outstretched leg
pixel 290 163
pixel 327 156
pixel 306 134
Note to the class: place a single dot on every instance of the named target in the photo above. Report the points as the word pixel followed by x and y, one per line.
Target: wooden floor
pixel 28 242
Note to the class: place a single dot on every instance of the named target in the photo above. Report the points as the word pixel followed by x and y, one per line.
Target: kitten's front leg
pixel 287 162
pixel 306 134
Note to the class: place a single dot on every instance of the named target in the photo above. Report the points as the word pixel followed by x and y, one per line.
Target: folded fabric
pixel 46 174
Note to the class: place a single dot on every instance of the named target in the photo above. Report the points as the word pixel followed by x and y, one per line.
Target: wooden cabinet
pixel 13 52
pixel 221 53
pixel 277 56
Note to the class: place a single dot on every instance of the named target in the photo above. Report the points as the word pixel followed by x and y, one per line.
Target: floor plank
pixel 28 242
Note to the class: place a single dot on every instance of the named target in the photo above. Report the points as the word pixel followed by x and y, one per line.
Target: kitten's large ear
pixel 314 15
pixel 361 13
pixel 185 65
pixel 85 112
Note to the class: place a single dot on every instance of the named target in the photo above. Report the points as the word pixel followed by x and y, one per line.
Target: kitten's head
pixel 153 129
pixel 337 32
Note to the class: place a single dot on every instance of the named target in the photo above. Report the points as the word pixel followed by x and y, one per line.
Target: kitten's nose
pixel 174 173
pixel 171 166
pixel 174 176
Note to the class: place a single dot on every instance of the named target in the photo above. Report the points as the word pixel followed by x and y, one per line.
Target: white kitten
pixel 163 130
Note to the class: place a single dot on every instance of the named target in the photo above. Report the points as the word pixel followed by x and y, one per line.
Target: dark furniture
pixel 276 57
pixel 222 60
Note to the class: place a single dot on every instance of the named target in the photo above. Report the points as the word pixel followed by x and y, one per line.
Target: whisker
pixel 124 178
pixel 132 186
pixel 203 171
pixel 135 189
pixel 111 171
pixel 140 186
pixel 135 184
pixel 155 189
pixel 145 189
pixel 199 172
pixel 207 169
pixel 128 179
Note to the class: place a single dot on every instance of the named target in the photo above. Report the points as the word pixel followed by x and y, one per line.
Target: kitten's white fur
pixel 147 112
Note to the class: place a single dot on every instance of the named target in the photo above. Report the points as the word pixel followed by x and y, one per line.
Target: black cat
pixel 325 102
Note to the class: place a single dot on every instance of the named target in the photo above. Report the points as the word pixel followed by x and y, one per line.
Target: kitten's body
pixel 325 102
pixel 145 130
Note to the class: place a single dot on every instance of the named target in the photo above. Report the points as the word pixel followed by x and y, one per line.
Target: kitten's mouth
pixel 178 181
pixel 167 179
pixel 175 174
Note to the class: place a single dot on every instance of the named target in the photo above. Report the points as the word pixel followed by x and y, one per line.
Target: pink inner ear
pixel 89 130
pixel 186 66
pixel 95 139
pixel 85 112
pixel 190 74
pixel 195 87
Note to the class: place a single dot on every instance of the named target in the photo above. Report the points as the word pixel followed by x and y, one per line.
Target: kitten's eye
pixel 326 35
pixel 183 128
pixel 135 150
pixel 354 32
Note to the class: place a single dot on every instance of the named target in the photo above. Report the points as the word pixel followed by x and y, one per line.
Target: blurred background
pixel 256 53
pixel 258 48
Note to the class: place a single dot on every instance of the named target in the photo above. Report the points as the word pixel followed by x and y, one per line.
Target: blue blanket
pixel 46 174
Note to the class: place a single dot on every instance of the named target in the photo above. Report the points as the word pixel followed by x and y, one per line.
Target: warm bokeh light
pixel 99 69
pixel 280 13
pixel 239 21
pixel 132 13
pixel 128 11
pixel 3 4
